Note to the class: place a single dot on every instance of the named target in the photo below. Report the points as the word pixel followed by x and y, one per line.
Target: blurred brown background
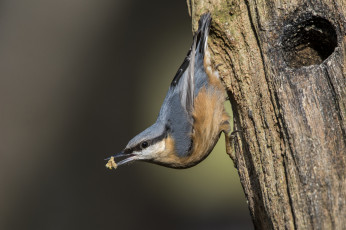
pixel 78 79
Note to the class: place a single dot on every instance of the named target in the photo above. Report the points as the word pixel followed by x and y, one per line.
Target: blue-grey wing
pixel 191 72
pixel 176 111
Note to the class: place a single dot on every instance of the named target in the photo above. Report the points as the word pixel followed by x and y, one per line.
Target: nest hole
pixel 308 42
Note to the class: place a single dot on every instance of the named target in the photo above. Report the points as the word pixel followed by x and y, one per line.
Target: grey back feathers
pixel 175 117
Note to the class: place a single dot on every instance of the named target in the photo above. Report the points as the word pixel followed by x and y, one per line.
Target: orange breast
pixel 210 119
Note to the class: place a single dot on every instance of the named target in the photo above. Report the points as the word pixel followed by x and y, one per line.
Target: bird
pixel 192 116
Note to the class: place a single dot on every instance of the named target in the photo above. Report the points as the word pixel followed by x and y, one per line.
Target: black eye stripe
pixel 128 151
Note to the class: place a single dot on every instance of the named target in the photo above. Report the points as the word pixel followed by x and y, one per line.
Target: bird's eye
pixel 144 144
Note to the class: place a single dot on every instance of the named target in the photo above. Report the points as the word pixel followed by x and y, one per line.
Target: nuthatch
pixel 192 115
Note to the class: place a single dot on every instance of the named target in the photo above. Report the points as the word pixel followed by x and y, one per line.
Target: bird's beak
pixel 125 159
pixel 117 155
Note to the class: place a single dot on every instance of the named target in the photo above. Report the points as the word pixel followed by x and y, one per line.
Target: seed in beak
pixel 111 163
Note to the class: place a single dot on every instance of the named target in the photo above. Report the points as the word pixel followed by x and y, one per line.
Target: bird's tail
pixel 199 44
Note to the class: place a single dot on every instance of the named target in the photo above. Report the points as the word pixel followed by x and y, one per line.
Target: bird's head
pixel 153 145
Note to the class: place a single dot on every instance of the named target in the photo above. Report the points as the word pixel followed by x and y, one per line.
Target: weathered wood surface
pixel 283 64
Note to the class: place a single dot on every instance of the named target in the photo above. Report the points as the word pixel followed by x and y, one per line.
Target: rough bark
pixel 283 65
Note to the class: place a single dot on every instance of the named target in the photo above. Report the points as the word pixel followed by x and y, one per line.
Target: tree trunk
pixel 283 64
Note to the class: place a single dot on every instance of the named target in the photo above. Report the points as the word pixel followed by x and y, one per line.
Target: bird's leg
pixel 229 139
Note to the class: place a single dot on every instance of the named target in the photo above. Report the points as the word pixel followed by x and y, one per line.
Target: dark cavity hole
pixel 308 42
